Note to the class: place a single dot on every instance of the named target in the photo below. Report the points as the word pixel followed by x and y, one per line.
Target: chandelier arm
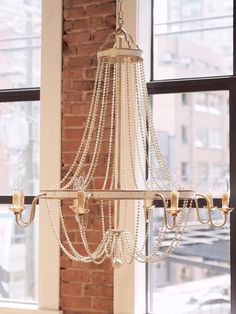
pixel 165 213
pixel 19 221
pixel 198 213
pixel 225 216
pixel 18 215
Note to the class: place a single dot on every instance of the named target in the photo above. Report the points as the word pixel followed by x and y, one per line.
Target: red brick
pixel 72 96
pixel 101 9
pixel 74 276
pixel 71 302
pixel 73 74
pixel 110 20
pixel 90 73
pixel 102 304
pixel 73 13
pixel 77 38
pixel 71 289
pixel 83 85
pixel 88 48
pixel 73 133
pixel 78 62
pixel 76 3
pixel 101 35
pixel 71 122
pixel 80 108
pixel 98 290
pixel 102 278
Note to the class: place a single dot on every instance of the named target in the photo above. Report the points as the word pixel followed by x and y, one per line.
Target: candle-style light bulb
pixel 174 200
pixel 78 184
pixel 225 199
pixel 210 198
pixel 18 199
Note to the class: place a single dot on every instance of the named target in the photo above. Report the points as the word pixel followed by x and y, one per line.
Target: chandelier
pixel 136 177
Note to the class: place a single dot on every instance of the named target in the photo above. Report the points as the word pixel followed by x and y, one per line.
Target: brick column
pixel 85 288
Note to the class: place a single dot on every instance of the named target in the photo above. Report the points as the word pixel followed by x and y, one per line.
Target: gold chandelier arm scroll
pixel 204 222
pixel 18 215
pixel 221 224
pixel 170 227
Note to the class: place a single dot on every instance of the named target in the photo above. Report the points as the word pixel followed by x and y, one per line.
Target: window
pixel 196 278
pixel 19 142
pixel 20 107
pixel 199 37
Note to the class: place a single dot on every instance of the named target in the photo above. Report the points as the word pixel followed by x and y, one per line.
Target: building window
pixel 184 134
pixel 185 99
pixel 201 102
pixel 202 173
pixel 215 104
pixel 184 171
pixel 215 139
pixel 201 139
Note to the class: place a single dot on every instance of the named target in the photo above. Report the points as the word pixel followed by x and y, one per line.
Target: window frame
pixel 204 84
pixel 50 109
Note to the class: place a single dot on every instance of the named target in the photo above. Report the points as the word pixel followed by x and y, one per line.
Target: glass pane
pixel 196 277
pixel 192 38
pixel 18 275
pixel 20 30
pixel 19 142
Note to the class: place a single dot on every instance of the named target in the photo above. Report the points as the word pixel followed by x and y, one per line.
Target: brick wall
pixel 85 288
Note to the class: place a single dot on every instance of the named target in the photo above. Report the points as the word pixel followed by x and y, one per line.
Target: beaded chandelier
pixel 136 177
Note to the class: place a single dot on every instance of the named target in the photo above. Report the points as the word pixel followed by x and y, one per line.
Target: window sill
pixel 24 309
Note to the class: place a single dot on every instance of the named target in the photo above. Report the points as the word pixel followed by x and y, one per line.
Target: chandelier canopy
pixel 136 176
